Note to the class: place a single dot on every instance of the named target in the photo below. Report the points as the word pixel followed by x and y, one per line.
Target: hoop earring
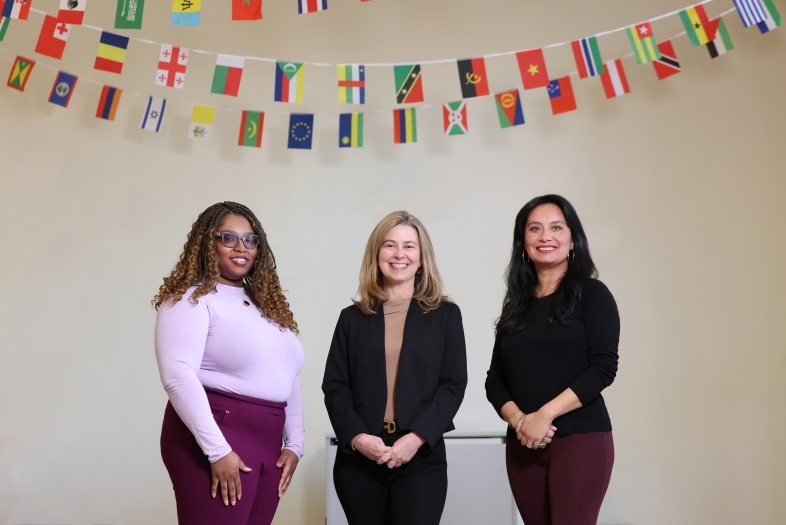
pixel 573 258
pixel 525 256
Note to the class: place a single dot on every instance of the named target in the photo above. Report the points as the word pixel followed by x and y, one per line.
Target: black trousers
pixel 412 494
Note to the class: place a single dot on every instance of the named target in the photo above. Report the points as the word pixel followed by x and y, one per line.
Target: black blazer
pixel 432 373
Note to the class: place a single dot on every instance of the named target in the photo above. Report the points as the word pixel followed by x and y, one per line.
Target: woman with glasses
pixel 228 357
pixel 394 379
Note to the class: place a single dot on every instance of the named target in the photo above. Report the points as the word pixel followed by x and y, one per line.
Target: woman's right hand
pixel 371 446
pixel 226 472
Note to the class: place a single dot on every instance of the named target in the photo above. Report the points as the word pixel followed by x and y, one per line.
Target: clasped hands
pixel 535 428
pixel 400 453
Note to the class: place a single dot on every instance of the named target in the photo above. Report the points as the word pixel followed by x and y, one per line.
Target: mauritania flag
pixel 751 11
pixel 773 20
pixel 3 27
pixel 107 104
pixel 62 89
pixel 405 126
pixel 350 130
pixel 186 12
pixel 587 55
pixel 614 81
pixel 454 118
pixel 722 43
pixel 351 84
pixel 17 9
pixel 154 114
pixel 289 82
pixel 697 25
pixel 226 77
pixel 251 129
pixel 645 49
pixel 202 118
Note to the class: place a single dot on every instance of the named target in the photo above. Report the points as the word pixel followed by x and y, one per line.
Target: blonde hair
pixel 428 281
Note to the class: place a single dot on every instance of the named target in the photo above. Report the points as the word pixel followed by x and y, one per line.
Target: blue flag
pixel 62 89
pixel 301 130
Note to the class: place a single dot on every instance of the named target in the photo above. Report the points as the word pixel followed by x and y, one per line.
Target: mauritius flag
pixel 405 126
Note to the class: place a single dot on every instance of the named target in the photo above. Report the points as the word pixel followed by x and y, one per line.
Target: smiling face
pixel 399 258
pixel 547 238
pixel 234 263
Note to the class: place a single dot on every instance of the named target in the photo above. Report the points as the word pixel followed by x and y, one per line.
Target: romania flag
pixel 111 52
pixel 405 129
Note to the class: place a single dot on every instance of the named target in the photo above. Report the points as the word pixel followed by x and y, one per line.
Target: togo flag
pixel 129 14
pixel 62 89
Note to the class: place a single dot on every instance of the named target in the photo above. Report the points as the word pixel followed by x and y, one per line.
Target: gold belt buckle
pixel 390 426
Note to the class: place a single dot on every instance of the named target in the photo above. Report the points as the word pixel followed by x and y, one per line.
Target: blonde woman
pixel 394 379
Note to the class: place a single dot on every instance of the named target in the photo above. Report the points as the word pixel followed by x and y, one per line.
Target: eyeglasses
pixel 230 240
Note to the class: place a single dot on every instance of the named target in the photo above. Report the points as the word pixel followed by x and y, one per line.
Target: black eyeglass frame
pixel 245 240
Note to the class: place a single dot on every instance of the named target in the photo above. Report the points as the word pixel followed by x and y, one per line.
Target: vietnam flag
pixel 472 75
pixel 246 9
pixel 53 37
pixel 532 66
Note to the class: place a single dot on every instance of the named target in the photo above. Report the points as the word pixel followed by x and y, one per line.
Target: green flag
pixel 129 14
pixel 3 27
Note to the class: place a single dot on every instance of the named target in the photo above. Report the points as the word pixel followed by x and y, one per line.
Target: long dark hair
pixel 522 280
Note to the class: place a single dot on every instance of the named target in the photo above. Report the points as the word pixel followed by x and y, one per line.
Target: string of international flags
pixel 408 78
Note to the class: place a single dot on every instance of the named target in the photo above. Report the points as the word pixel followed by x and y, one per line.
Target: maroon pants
pixel 564 483
pixel 253 428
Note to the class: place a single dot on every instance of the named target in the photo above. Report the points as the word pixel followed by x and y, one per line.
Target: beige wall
pixel 679 184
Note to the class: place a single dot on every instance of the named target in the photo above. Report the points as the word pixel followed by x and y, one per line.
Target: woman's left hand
pixel 288 460
pixel 402 450
pixel 533 428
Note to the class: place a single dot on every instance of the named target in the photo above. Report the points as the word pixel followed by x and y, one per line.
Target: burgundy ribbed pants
pixel 563 484
pixel 253 428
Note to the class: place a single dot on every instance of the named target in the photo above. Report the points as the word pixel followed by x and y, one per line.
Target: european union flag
pixel 62 89
pixel 301 130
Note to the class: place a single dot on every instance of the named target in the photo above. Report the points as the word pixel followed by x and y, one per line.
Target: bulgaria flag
pixel 615 83
pixel 226 78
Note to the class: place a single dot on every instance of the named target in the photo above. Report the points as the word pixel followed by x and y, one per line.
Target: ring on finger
pixel 542 445
pixel 528 445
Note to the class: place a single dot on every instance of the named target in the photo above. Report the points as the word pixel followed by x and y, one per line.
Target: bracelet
pixel 510 421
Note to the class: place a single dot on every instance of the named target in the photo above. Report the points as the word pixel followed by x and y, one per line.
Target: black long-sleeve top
pixel 534 365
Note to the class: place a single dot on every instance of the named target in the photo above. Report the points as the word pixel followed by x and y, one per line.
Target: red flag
pixel 667 65
pixel 53 37
pixel 561 95
pixel 246 9
pixel 532 66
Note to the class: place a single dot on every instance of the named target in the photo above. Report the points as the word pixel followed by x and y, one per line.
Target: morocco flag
pixel 246 9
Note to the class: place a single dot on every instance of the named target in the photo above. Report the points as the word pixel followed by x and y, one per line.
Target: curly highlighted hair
pixel 198 266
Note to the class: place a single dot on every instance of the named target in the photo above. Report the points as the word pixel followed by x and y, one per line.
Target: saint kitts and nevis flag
pixel 186 12
pixel 289 82
pixel 72 11
pixel 509 108
pixel 409 84
pixel 454 118
pixel 226 77
pixel 251 123
pixel 532 66
pixel 16 9
pixel 128 14
pixel 561 95
pixel 614 81
pixel 697 25
pixel 20 72
pixel 351 84
pixel 350 130
pixel 587 56
pixel 111 52
pixel 53 37
pixel 667 65
pixel 107 104
pixel 246 9
pixel 405 126
pixel 472 75
pixel 722 43
pixel 642 41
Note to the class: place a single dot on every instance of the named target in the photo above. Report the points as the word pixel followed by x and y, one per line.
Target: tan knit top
pixel 395 317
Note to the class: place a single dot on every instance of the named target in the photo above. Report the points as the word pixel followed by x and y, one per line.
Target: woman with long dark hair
pixel 555 350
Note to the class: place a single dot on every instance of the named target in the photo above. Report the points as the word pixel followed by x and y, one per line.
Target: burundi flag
pixel 3 26
pixel 72 11
pixel 697 25
pixel 172 63
pixel 509 109
pixel 409 84
pixel 251 129
pixel 20 72
pixel 561 96
pixel 202 119
pixel 62 89
pixel 667 65
pixel 615 83
pixel 53 37
pixel 405 126
pixel 289 82
pixel 454 118
pixel 111 52
pixel 311 6
pixel 350 130
pixel 186 12
pixel 154 114
pixel 587 55
pixel 246 9
pixel 226 77
pixel 351 84
pixel 645 49
pixel 532 66
pixel 751 11
pixel 472 75
pixel 772 21
pixel 107 104
pixel 301 130
pixel 128 14
pixel 722 43
pixel 19 9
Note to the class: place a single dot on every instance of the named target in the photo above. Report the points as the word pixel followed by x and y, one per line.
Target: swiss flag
pixel 53 37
